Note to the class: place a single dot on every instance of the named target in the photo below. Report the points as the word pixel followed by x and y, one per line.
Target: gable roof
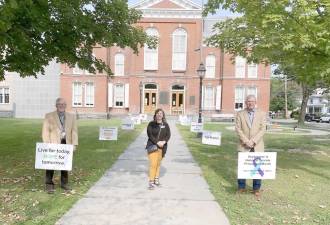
pixel 185 4
pixel 169 8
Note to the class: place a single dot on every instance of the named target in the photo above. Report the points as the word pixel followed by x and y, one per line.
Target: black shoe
pixel 156 181
pixel 66 187
pixel 50 188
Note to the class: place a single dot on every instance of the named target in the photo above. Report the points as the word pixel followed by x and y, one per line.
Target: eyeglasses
pixel 61 104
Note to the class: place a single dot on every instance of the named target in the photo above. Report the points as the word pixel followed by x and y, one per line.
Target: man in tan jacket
pixel 59 127
pixel 250 128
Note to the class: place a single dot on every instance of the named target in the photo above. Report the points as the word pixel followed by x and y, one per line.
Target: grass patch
pixel 298 195
pixel 23 200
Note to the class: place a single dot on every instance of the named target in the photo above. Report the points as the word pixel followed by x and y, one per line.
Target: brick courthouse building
pixel 166 77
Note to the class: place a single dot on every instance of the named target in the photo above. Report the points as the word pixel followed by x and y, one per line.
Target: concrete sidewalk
pixel 121 196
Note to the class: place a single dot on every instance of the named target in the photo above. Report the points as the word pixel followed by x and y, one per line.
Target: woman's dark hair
pixel 158 110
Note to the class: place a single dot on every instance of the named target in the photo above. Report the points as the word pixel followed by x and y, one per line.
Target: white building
pixel 318 103
pixel 30 97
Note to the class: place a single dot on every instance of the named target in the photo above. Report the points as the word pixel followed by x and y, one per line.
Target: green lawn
pixel 300 194
pixel 23 200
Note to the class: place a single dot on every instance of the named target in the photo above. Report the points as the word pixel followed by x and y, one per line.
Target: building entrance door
pixel 150 98
pixel 177 102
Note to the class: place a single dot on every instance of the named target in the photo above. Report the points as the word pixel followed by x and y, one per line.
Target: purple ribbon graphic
pixel 257 167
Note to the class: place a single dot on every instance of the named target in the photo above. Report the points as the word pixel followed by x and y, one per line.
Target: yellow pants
pixel 154 163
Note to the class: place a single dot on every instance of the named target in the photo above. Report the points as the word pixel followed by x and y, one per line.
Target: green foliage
pixel 34 32
pixel 294 35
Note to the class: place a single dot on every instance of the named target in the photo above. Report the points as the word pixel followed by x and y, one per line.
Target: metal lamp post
pixel 201 73
pixel 141 88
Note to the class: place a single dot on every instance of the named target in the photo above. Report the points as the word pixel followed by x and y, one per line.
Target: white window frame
pixel 239 98
pixel 77 97
pixel 208 98
pixel 119 64
pixel 89 94
pixel 179 50
pixel 116 97
pixel 252 70
pixel 151 55
pixel 240 63
pixel 210 66
pixel 218 98
pixel 250 92
pixel 5 91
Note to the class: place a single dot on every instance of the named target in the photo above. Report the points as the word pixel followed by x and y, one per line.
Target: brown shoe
pixel 241 191
pixel 257 194
pixel 50 188
pixel 66 187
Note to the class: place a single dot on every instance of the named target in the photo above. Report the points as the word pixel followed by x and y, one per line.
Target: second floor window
pixel 240 67
pixel 210 66
pixel 252 70
pixel 119 64
pixel 179 49
pixel 150 54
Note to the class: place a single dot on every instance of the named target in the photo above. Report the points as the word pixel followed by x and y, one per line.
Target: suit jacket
pixel 247 131
pixel 51 129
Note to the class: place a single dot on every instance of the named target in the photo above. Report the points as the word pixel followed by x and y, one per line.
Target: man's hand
pixel 74 147
pixel 250 144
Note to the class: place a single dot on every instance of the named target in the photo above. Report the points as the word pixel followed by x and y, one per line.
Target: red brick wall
pixel 164 77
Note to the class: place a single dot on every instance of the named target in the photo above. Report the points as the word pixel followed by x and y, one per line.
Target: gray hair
pixel 250 96
pixel 59 99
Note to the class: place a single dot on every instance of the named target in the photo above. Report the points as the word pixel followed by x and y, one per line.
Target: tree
pixel 277 95
pixel 294 34
pixel 33 32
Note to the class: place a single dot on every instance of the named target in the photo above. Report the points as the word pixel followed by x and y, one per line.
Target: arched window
pixel 150 54
pixel 179 49
pixel 119 64
pixel 210 66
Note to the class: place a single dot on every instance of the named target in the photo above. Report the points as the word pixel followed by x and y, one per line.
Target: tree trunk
pixel 306 92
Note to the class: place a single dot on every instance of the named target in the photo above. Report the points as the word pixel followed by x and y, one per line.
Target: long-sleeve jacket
pixel 51 129
pixel 153 129
pixel 247 131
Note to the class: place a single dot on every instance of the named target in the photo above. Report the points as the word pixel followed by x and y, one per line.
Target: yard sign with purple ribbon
pixel 256 165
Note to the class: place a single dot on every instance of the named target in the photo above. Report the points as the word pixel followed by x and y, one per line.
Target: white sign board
pixel 127 124
pixel 184 120
pixel 211 138
pixel 108 133
pixel 196 127
pixel 53 156
pixel 256 165
pixel 143 117
pixel 136 120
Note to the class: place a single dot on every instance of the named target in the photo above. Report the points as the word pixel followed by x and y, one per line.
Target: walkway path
pixel 121 196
